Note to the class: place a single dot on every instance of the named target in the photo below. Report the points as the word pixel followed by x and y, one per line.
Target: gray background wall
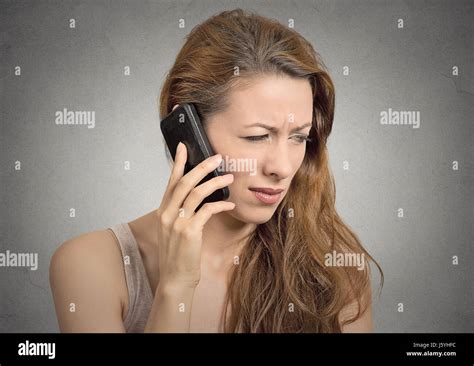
pixel 390 167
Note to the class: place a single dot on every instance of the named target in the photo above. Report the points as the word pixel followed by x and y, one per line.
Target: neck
pixel 223 238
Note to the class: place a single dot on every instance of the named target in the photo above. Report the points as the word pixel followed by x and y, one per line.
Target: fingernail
pixel 180 147
pixel 218 158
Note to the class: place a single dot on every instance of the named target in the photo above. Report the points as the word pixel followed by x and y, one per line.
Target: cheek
pixel 238 185
pixel 239 192
pixel 298 158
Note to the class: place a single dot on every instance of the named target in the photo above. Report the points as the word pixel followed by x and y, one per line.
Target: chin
pixel 252 215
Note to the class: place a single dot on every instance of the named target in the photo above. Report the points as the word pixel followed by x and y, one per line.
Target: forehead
pixel 272 100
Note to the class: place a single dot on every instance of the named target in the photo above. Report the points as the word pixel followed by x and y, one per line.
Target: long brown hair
pixel 281 283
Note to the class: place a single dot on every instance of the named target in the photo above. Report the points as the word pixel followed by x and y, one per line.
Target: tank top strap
pixel 139 291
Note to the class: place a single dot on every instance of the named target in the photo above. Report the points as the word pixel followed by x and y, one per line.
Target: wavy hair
pixel 281 283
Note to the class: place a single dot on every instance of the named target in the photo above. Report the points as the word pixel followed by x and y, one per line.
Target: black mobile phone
pixel 184 125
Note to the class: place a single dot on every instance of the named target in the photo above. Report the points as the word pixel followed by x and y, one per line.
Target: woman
pixel 257 262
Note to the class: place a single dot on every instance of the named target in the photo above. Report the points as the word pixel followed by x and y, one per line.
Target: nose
pixel 277 162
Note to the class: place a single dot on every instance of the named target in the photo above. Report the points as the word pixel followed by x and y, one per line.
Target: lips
pixel 268 196
pixel 267 190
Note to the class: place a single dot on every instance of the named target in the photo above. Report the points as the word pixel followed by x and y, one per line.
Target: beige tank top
pixel 140 295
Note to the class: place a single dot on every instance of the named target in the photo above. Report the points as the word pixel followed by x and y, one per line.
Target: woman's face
pixel 258 156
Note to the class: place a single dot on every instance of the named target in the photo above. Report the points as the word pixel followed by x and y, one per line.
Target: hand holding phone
pixel 180 227
pixel 183 125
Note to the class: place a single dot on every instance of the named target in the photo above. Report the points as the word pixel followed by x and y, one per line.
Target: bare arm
pixel 85 277
pixel 180 240
pixel 87 282
pixel 171 310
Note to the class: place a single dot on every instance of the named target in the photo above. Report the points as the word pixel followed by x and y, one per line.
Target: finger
pixel 189 181
pixel 199 193
pixel 197 221
pixel 176 172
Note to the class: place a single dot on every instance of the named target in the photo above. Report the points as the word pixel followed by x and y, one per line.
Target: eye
pixel 302 138
pixel 257 138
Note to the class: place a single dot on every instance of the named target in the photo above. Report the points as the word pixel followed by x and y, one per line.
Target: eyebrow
pixel 273 129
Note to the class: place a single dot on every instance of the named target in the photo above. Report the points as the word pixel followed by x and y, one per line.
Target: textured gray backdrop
pixel 390 166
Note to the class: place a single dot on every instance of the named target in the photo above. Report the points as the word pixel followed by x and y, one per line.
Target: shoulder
pixel 87 249
pixel 97 252
pixel 359 308
pixel 87 280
